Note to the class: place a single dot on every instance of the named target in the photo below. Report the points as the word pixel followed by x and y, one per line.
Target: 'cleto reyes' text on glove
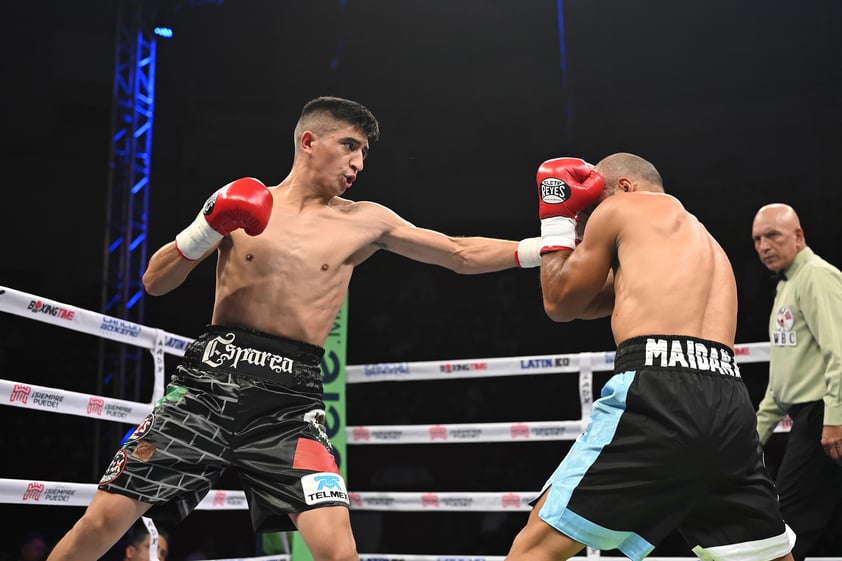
pixel 566 186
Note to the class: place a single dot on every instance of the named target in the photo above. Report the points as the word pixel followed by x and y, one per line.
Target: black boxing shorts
pixel 671 445
pixel 243 400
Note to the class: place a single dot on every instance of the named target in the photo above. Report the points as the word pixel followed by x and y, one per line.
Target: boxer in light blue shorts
pixel 671 445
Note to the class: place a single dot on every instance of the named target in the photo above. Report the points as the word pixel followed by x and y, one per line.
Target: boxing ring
pixel 161 343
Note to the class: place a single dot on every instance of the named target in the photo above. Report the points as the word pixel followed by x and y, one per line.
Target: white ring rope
pixel 159 342
pixel 509 366
pixel 55 493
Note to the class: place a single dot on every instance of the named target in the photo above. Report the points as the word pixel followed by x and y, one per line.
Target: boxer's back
pixel 671 275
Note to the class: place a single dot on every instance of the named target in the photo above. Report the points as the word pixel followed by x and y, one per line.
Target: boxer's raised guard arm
pixel 244 203
pixel 566 186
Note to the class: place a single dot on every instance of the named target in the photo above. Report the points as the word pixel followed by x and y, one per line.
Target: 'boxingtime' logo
pixel 554 191
pixel 39 307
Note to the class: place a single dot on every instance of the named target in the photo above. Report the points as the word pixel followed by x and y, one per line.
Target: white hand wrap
pixel 528 253
pixel 196 239
pixel 558 232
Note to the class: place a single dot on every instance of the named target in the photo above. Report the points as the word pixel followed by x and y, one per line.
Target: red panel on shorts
pixel 310 454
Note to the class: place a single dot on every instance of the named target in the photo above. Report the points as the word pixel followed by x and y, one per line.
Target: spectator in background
pixel 33 547
pixel 805 377
pixel 136 544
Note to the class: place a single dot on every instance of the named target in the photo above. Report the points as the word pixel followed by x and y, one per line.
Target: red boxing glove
pixel 244 203
pixel 566 186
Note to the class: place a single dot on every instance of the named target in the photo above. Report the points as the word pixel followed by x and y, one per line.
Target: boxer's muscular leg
pixel 327 533
pixel 107 518
pixel 538 541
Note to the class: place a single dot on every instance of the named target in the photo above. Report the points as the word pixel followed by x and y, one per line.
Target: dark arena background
pixel 737 103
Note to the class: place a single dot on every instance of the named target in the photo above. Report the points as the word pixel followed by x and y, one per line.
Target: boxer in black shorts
pixel 671 443
pixel 266 409
pixel 285 255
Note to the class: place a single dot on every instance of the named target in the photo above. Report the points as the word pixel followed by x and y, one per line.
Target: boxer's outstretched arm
pixel 462 254
pixel 467 255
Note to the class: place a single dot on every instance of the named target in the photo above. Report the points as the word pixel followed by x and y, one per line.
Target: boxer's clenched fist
pixel 566 186
pixel 244 203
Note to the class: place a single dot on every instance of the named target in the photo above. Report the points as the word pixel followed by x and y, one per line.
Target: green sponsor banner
pixel 333 378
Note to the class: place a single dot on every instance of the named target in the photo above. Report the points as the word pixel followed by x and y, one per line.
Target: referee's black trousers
pixel 810 485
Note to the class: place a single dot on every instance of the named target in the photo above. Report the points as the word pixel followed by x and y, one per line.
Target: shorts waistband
pixel 252 353
pixel 675 352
